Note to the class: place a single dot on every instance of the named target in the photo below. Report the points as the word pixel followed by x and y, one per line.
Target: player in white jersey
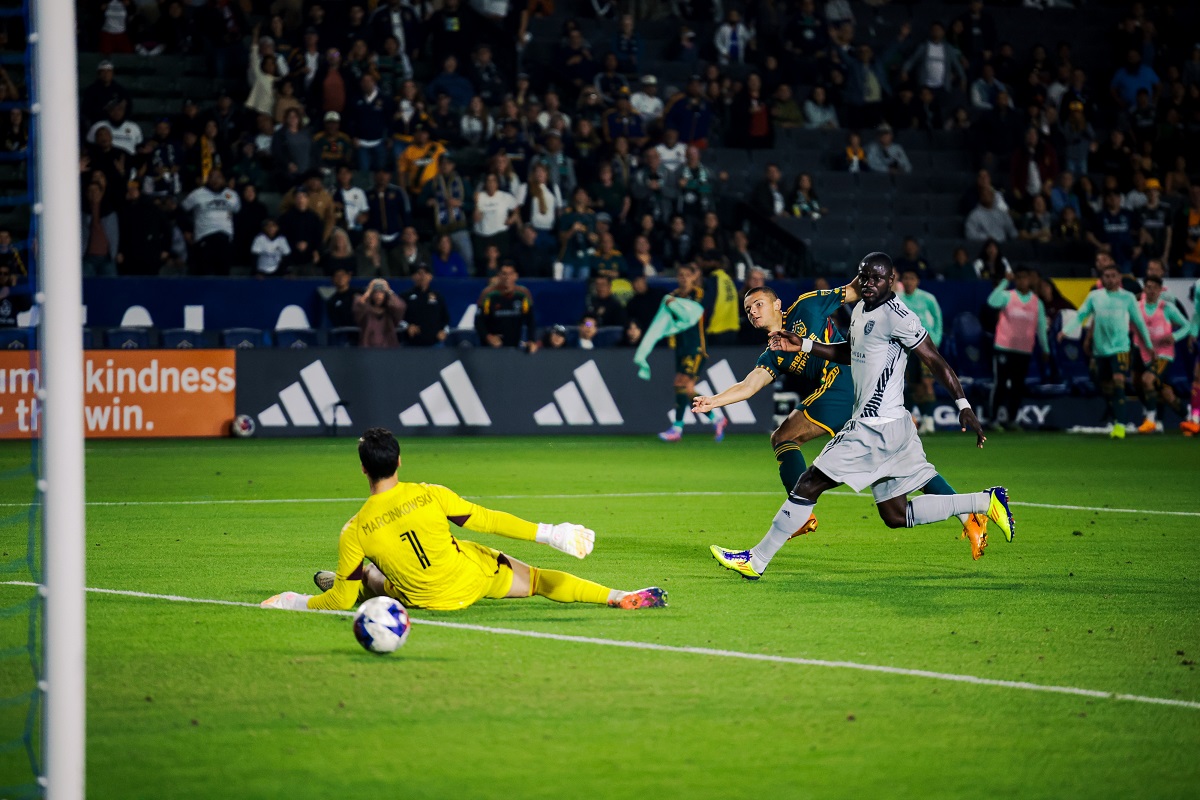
pixel 879 446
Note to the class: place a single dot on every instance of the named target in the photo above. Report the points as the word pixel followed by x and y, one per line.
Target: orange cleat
pixel 807 527
pixel 1146 427
pixel 976 531
pixel 1189 428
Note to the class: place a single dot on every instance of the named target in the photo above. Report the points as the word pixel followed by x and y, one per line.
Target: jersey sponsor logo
pixel 309 402
pixel 569 404
pixel 435 404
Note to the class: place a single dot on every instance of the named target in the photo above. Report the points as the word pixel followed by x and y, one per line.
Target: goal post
pixel 56 215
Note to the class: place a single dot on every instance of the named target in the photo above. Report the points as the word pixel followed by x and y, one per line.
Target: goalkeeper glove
pixel 574 540
pixel 290 601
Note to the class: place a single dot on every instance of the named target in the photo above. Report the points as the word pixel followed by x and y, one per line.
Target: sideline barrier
pixel 129 393
pixel 472 392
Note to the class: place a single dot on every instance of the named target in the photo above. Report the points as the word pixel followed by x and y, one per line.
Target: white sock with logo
pixel 937 507
pixel 791 517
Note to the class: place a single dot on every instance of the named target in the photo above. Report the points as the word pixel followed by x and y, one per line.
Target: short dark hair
pixel 876 259
pixel 1153 279
pixel 767 290
pixel 379 453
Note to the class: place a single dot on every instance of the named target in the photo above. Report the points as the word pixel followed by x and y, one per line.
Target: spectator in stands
pixel 399 21
pixel 609 196
pixel 911 260
pixel 448 196
pixel 1114 234
pixel 785 112
pixel 623 121
pixel 100 95
pixel 495 213
pixel 575 64
pixel 212 207
pixel 270 249
pixel 624 163
pixel 805 202
pixel 476 126
pixel 454 31
pixel 144 237
pixel 576 229
pixel 263 73
pixel 303 230
pixel 1063 194
pixel 979 33
pixel 649 188
pixel 339 253
pixel 1034 164
pixel 291 150
pixel 1189 222
pixel 987 222
pixel 371 260
pixel 450 82
pixel 369 122
pixel 678 246
pixel 101 234
pixel 642 261
pixel 818 112
pixel 587 332
pixel 694 187
pixel 741 262
pixel 388 209
pixel 247 224
pixel 419 163
pixel 647 103
pixel 627 45
pixel 691 114
pixel 936 63
pixel 426 312
pixel 1037 224
pixel 768 198
pixel 1069 228
pixel 319 200
pixel 377 312
pixel 350 203
pixel 1090 202
pixel 11 303
pixel 126 134
pixel 540 203
pixel 733 40
pixel 602 307
pixel 853 157
pixel 986 89
pixel 866 86
pixel 506 316
pixel 530 258
pixel 409 254
pixel 339 306
pixel 609 81
pixel 513 145
pixel 1114 157
pixel 887 155
pixel 1133 76
pixel 332 148
pixel 961 268
pixel 1155 223
pixel 445 261
pixel 555 337
pixel 991 265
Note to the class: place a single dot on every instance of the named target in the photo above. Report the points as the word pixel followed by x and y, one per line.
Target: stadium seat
pixel 243 338
pixel 344 336
pixel 945 227
pixel 296 338
pixel 910 225
pixel 1073 363
pixel 837 182
pixel 463 337
pixel 908 185
pixel 608 335
pixel 876 183
pixel 836 225
pixel 127 338
pixel 17 338
pixel 183 339
pixel 967 347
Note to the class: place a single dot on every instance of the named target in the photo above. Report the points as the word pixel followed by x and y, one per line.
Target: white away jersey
pixel 213 211
pixel 879 343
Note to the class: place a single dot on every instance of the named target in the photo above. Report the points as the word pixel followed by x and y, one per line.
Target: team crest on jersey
pixel 868 327
pixel 801 329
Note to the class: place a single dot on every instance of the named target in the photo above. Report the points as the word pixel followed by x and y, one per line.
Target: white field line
pixel 704 651
pixel 613 495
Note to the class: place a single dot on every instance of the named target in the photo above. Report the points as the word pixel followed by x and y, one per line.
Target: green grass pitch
pixel 203 701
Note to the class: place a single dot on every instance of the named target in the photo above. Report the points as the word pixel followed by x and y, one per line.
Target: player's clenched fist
pixel 574 540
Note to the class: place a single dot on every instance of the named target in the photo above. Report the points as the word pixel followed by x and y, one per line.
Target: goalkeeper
pixel 399 544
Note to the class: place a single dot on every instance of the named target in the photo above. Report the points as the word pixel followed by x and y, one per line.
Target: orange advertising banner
pixel 128 394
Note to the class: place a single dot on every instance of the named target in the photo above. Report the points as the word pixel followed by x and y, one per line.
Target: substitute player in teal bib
pixel 828 401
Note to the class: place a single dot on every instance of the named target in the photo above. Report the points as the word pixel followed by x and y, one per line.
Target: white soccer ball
pixel 381 625
pixel 242 426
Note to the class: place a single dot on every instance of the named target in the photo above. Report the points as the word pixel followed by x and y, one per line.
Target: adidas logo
pixel 569 406
pixel 304 400
pixel 722 377
pixel 435 403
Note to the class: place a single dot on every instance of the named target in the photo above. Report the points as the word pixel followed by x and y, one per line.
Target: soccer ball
pixel 242 426
pixel 381 625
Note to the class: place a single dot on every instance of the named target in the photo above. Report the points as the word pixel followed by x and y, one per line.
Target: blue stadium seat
pixel 243 338
pixel 127 338
pixel 608 335
pixel 183 339
pixel 1073 363
pixel 968 347
pixel 344 336
pixel 463 337
pixel 296 339
pixel 17 338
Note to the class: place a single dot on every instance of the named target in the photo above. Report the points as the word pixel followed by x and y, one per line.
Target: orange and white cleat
pixel 807 527
pixel 976 532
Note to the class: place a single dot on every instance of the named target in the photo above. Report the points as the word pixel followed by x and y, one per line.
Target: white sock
pixel 791 517
pixel 1151 416
pixel 937 507
pixel 963 518
pixel 615 595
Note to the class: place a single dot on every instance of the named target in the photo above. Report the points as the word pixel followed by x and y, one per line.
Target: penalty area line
pixel 253 501
pixel 701 651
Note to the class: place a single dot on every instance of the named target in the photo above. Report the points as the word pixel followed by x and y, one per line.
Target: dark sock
pixel 1119 404
pixel 682 401
pixel 791 464
pixel 938 485
pixel 1151 399
pixel 927 408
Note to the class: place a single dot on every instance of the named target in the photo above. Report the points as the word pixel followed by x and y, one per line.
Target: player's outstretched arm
pixel 788 342
pixel 749 386
pixel 928 353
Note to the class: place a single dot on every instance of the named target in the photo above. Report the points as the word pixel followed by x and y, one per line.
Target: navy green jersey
pixel 691 341
pixel 828 389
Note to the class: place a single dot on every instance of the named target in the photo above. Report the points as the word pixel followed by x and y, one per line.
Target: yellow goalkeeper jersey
pixel 405 532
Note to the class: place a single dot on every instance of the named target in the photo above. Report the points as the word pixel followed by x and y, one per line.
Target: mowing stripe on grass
pixel 700 651
pixel 612 495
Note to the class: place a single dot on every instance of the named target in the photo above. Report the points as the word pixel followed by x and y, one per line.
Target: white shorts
pixel 889 458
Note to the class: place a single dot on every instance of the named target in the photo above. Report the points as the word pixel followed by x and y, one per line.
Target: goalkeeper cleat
pixel 736 560
pixel 323 579
pixel 719 426
pixel 671 434
pixel 999 513
pixel 976 531
pixel 807 527
pixel 652 597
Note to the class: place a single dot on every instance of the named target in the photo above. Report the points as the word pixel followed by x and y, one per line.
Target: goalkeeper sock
pixel 937 507
pixel 563 587
pixel 791 516
pixel 791 464
pixel 940 485
pixel 682 401
pixel 1119 404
